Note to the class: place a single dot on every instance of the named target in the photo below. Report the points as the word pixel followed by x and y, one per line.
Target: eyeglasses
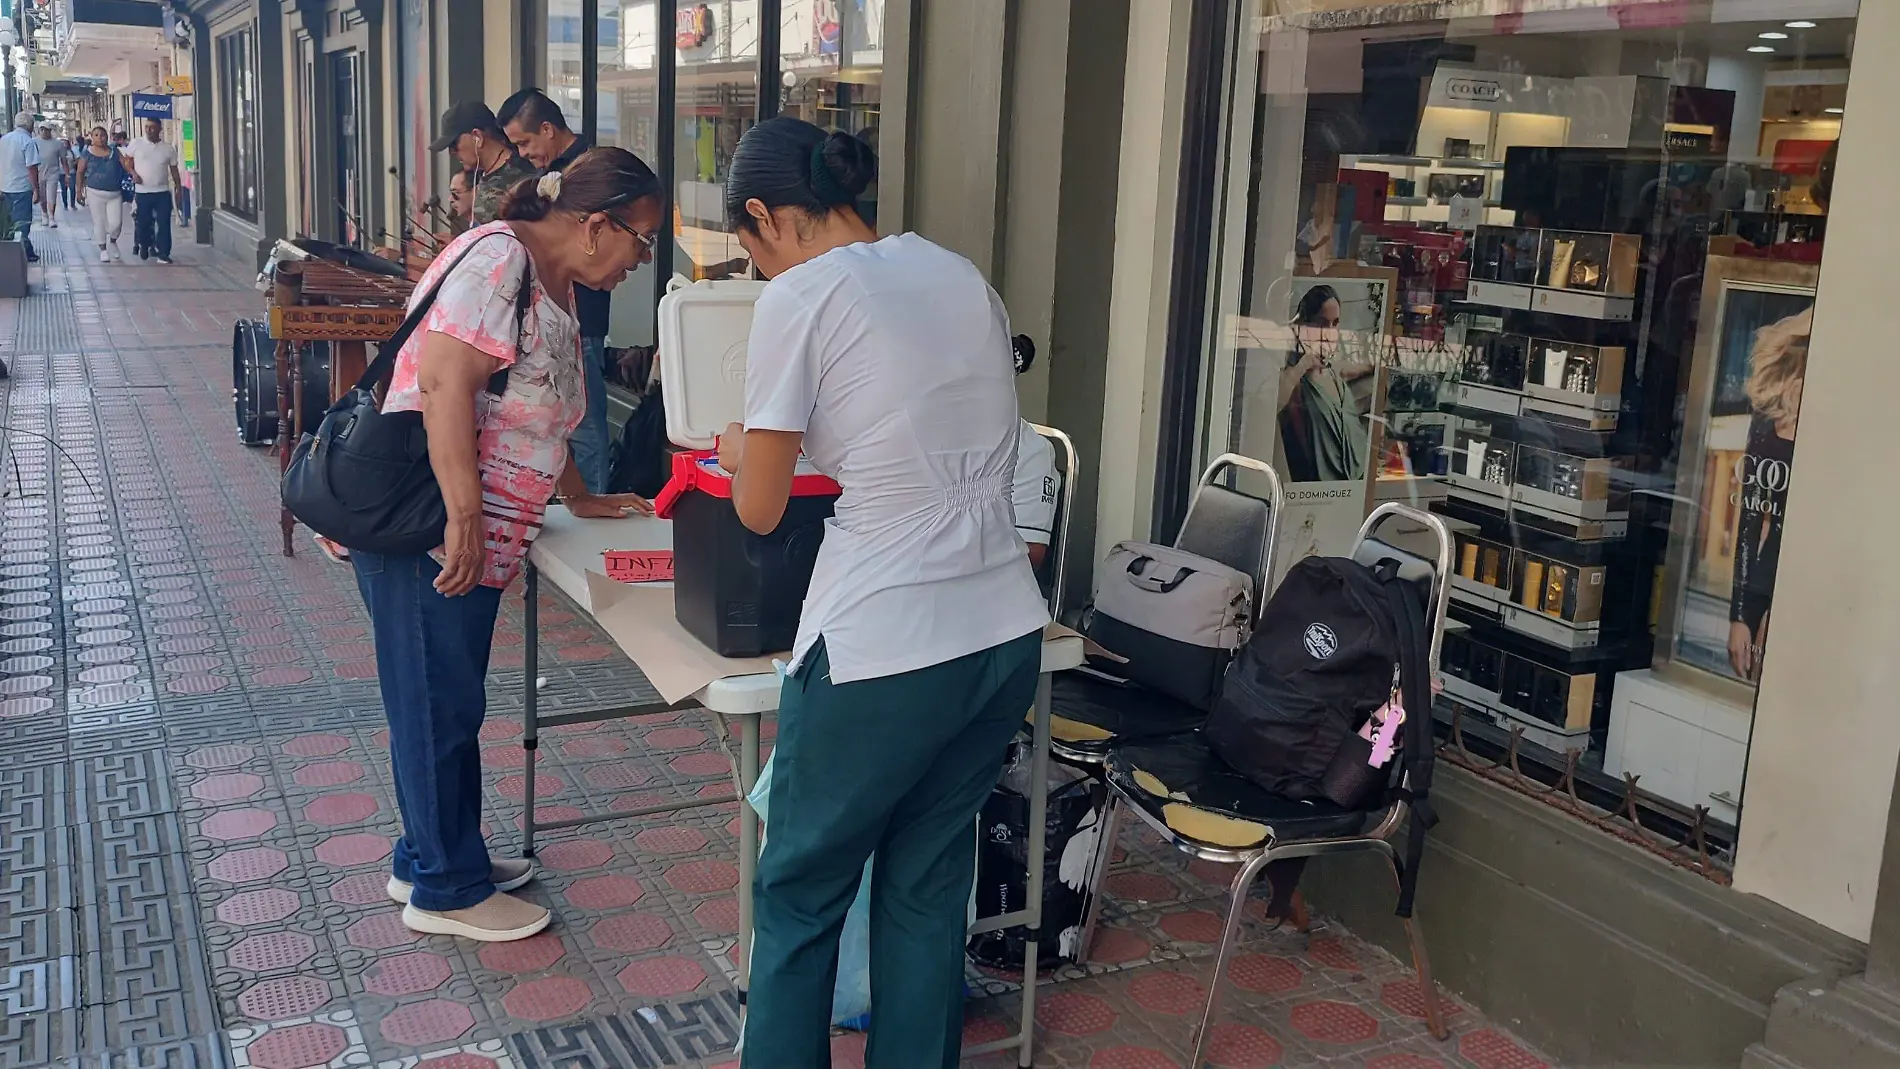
pixel 646 243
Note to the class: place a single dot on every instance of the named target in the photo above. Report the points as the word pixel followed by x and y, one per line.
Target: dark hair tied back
pixel 600 180
pixel 786 162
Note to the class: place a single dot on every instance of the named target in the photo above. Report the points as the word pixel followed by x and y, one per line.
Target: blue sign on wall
pixel 151 106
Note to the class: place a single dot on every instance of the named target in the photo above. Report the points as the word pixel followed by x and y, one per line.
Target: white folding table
pixel 567 549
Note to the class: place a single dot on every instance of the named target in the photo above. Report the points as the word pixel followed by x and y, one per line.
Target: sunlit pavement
pixel 196 811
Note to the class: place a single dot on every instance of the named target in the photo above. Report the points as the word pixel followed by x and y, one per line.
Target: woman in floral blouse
pixel 499 458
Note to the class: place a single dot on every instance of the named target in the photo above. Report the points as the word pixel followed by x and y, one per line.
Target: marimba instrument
pixel 317 302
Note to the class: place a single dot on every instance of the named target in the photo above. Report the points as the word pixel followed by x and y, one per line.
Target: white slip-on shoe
pixel 105 257
pixel 499 918
pixel 507 873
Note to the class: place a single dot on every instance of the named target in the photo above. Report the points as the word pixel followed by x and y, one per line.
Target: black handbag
pixel 363 480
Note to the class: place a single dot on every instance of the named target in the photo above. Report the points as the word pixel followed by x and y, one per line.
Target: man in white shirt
pixel 1037 484
pixel 20 177
pixel 155 170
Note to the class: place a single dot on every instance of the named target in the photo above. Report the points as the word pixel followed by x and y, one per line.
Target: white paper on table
pixel 641 622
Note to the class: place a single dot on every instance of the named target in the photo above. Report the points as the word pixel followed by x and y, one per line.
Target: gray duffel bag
pixel 1178 618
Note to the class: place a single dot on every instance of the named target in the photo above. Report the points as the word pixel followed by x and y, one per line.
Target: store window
pixel 832 69
pixel 1549 275
pixel 629 117
pixel 564 58
pixel 237 121
pixel 717 101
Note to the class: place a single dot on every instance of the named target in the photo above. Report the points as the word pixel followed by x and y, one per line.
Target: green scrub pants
pixel 898 766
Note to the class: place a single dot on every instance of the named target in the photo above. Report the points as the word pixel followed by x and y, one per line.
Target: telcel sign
pixel 151 106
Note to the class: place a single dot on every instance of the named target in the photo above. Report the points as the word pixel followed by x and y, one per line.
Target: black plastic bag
pixel 1071 835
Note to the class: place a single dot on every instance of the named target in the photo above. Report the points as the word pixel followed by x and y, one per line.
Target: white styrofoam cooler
pixel 703 331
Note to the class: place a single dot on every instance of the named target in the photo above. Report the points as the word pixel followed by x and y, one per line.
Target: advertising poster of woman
pixel 1745 397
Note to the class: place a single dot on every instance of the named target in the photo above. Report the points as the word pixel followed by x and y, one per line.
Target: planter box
pixel 12 269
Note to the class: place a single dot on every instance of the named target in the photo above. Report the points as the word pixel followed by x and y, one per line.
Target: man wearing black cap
pixel 470 129
pixel 535 126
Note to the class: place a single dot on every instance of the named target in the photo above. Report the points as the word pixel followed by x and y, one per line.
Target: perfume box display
pixel 1484 571
pixel 1491 375
pixel 1412 391
pixel 1482 465
pixel 1471 669
pixel 1589 262
pixel 1539 696
pixel 1555 601
pixel 1588 376
pixel 1507 254
pixel 1566 485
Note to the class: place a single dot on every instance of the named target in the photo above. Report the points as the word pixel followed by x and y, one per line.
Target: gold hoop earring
pixel 590 250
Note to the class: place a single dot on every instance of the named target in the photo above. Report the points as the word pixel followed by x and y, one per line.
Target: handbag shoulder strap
pixel 384 365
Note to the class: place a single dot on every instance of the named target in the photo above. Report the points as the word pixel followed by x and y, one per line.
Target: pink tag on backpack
pixel 1384 738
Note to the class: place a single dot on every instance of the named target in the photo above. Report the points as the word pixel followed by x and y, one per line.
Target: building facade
pixel 1556 270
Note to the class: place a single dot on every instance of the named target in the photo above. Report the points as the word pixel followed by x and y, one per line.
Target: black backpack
pixel 1332 644
pixel 639 462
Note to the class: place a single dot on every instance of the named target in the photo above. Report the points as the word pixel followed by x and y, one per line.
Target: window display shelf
pixel 1605 307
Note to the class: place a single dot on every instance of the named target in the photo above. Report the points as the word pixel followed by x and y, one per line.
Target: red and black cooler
pixel 738 592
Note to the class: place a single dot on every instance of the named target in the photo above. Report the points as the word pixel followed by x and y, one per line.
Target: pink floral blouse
pixel 521 435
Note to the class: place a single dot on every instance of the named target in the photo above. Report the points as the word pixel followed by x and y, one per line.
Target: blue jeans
pixel 431 660
pixel 152 224
pixel 20 206
pixel 592 447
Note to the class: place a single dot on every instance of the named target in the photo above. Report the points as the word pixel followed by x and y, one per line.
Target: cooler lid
pixel 702 336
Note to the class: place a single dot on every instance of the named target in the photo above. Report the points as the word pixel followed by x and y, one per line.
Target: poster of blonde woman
pixel 1747 394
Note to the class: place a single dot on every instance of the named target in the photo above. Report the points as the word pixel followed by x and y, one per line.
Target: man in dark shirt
pixel 538 130
pixel 469 130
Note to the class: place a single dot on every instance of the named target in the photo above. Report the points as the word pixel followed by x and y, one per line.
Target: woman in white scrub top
pixel 887 362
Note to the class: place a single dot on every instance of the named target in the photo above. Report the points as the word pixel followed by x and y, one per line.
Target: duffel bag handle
pixel 1154 582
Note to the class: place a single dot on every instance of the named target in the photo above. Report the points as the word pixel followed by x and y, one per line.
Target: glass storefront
pixel 1550 275
pixel 692 73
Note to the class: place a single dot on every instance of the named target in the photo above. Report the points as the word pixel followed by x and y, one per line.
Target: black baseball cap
pixel 463 118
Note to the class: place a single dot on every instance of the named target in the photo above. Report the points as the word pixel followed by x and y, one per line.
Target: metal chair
pixel 1222 524
pixel 1291 829
pixel 1065 507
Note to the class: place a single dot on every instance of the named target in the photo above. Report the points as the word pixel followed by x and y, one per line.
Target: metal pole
pixel 530 713
pixel 1038 827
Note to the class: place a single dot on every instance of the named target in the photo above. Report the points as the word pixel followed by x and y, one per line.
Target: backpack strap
pixel 1415 760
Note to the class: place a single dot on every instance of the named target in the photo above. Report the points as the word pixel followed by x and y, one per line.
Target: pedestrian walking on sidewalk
pixel 154 166
pixel 20 178
pixel 101 174
pixel 55 157
pixel 503 302
pixel 69 178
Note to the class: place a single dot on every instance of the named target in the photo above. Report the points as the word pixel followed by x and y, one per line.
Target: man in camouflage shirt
pixel 470 131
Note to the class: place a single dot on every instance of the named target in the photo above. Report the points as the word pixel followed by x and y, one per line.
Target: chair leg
pixel 1230 932
pixel 1422 965
pixel 1098 874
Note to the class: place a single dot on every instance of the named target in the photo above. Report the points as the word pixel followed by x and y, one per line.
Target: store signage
pixel 188 145
pixel 692 26
pixel 1467 89
pixel 1686 141
pixel 151 106
pixel 178 84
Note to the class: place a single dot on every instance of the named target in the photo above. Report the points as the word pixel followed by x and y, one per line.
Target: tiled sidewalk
pixel 195 807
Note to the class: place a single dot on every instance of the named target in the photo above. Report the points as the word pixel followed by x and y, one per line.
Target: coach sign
pixel 151 106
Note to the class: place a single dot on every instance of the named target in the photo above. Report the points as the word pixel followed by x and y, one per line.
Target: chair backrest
pixel 1236 529
pixel 1057 565
pixel 1429 572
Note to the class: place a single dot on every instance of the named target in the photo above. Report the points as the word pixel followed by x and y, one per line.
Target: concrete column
pixel 1148 172
pixel 204 107
pixel 1821 763
pixel 1001 133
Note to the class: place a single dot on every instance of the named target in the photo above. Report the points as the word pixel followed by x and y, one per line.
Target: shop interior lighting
pixel 1835 111
pixel 1803 24
pixel 1773 35
pixel 1760 48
